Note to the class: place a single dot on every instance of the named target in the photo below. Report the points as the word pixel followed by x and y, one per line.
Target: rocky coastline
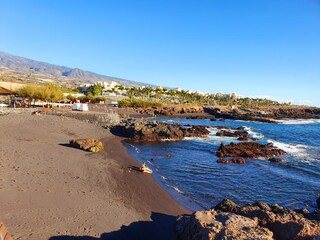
pixel 254 221
pixel 265 114
pixel 259 220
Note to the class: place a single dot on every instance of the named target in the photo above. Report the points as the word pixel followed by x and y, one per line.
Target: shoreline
pixel 52 191
pixel 177 196
pixel 144 181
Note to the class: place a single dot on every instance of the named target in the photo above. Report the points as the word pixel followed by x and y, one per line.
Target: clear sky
pixel 252 47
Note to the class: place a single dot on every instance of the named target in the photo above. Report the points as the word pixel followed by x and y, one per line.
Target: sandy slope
pixel 49 190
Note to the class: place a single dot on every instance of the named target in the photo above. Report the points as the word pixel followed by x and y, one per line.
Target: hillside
pixel 24 70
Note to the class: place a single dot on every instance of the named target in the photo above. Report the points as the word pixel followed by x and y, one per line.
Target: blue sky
pixel 252 47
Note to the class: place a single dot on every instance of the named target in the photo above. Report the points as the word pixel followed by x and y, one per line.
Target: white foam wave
pixel 137 150
pixel 255 134
pixel 176 189
pixel 168 140
pixel 213 131
pixel 196 138
pixel 298 121
pixel 163 177
pixel 294 149
pixel 211 135
pixel 247 128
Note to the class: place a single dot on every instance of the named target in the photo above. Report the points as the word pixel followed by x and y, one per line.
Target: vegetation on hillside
pixel 95 89
pixel 146 97
pixel 143 97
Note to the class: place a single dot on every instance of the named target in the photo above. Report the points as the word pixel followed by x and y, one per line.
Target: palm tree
pixel 146 92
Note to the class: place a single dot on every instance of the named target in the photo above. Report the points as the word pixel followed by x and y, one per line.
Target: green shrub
pixel 138 103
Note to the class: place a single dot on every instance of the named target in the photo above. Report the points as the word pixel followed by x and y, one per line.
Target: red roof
pixel 4 91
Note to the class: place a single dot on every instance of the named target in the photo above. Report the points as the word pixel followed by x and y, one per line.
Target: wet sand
pixel 51 191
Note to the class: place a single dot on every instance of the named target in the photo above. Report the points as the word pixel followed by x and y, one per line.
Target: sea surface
pixel 189 171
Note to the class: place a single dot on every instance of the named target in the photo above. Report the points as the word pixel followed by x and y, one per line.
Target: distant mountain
pixel 19 66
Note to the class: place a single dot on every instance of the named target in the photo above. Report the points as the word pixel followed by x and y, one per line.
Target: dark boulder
pixel 227 205
pixel 249 150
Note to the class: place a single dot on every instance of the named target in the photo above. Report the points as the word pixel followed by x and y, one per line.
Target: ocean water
pixel 188 169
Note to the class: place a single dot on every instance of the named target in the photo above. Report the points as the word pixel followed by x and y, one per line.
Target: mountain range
pixel 20 69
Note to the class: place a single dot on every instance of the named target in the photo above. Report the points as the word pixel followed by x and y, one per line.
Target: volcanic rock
pixel 241 135
pixel 227 205
pixel 219 225
pixel 249 150
pixel 283 222
pixel 265 114
pixel 151 131
pixel 90 145
pixel 227 220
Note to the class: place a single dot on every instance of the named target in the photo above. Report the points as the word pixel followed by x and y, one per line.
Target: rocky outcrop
pixel 237 160
pixel 219 225
pixel 283 222
pixel 260 114
pixel 248 150
pixel 151 131
pixel 236 114
pixel 90 145
pixel 227 220
pixel 266 114
pixel 240 135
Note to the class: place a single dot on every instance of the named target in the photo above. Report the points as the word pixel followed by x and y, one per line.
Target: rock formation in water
pixel 241 135
pixel 249 150
pixel 151 131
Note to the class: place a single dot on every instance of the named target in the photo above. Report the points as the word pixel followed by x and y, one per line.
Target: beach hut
pixel 5 95
pixel 77 106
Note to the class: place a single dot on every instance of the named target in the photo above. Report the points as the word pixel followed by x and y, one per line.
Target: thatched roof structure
pixel 4 91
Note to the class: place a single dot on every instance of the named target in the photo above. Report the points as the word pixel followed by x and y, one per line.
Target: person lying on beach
pixel 37 113
pixel 145 169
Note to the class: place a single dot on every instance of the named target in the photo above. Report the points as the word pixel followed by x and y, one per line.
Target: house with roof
pixel 5 95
